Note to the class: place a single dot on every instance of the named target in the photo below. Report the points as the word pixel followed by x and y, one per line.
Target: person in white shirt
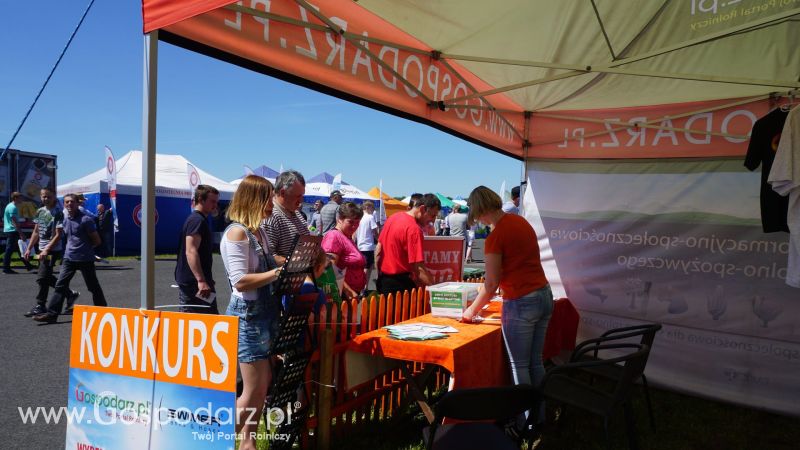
pixel 512 206
pixel 367 236
pixel 251 268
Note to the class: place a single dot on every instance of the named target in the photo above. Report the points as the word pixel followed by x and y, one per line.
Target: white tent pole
pixel 148 245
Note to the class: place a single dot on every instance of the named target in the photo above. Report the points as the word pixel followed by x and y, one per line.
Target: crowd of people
pixel 265 221
pixel 71 235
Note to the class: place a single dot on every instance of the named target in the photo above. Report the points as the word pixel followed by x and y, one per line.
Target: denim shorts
pixel 258 325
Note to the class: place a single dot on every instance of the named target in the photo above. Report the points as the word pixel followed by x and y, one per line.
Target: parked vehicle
pixel 26 173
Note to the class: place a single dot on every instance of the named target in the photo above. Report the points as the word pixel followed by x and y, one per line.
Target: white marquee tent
pixel 172 197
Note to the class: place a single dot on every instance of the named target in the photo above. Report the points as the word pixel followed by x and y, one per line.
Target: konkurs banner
pixel 399 73
pixel 444 257
pixel 151 380
pixel 679 243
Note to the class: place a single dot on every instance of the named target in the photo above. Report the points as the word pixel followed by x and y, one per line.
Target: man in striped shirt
pixel 286 223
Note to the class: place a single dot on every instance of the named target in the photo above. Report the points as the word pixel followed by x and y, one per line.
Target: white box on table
pixel 451 298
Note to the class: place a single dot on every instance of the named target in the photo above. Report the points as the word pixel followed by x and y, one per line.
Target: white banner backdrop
pixel 679 243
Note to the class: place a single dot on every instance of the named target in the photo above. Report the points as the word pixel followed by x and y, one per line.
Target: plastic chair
pixel 647 333
pixel 485 404
pixel 559 385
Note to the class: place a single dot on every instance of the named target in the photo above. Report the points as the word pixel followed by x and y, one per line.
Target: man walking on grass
pixel 81 238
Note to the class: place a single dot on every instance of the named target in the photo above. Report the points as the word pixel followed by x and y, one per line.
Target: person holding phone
pixel 196 292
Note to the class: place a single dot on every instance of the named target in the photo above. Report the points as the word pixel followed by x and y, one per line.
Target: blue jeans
pixel 524 323
pixel 258 325
pixel 13 246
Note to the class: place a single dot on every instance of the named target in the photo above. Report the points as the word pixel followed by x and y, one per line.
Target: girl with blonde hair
pixel 251 270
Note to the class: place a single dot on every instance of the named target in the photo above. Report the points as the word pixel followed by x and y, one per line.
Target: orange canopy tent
pixel 631 119
pixel 390 205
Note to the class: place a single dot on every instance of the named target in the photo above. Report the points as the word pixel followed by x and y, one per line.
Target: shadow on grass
pixel 682 422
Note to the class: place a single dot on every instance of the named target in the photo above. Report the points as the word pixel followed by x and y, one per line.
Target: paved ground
pixel 34 358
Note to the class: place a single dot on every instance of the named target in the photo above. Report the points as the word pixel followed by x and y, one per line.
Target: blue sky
pixel 217 115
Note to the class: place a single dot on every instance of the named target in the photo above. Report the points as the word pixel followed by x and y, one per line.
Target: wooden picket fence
pixel 378 399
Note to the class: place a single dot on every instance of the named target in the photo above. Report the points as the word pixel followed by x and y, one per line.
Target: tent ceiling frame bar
pixel 522 85
pixel 650 122
pixel 580 70
pixel 526 144
pixel 352 37
pixel 314 26
pixel 469 85
pixel 595 79
pixel 481 107
pixel 611 68
pixel 639 73
pixel 706 38
pixel 603 29
pixel 357 43
pixel 647 26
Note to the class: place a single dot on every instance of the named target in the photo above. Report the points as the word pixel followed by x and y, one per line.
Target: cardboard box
pixel 451 298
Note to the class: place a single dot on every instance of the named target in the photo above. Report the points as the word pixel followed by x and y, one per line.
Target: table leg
pixel 414 387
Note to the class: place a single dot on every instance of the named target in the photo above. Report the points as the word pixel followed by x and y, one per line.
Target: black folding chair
pixel 646 334
pixel 495 404
pixel 561 386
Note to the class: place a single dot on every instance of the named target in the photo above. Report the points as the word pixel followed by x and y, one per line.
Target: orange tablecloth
pixel 475 355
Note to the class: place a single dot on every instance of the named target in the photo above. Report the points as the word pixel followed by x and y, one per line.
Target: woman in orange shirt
pixel 512 263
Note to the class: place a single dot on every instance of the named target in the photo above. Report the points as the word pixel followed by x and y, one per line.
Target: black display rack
pixel 288 343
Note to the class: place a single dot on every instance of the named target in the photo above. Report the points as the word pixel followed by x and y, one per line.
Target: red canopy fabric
pixel 161 13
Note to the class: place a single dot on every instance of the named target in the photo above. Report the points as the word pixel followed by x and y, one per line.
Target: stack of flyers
pixel 419 331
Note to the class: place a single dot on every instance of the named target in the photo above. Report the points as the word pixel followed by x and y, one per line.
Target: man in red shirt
pixel 399 251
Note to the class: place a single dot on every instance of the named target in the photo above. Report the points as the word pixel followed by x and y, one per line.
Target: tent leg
pixel 148 247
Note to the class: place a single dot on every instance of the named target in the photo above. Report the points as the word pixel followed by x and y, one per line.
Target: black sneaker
pixel 9 272
pixel 38 309
pixel 71 302
pixel 47 317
